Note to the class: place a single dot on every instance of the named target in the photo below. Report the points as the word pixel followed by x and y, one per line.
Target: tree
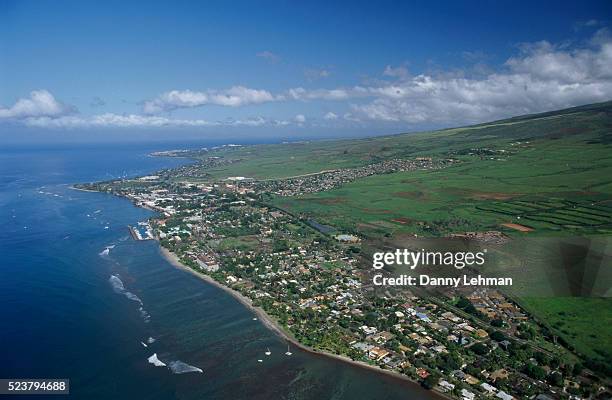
pixel 480 349
pixel 578 369
pixel 430 381
pixel 541 358
pixel 498 323
pixel 498 336
pixel 555 379
pixel 534 371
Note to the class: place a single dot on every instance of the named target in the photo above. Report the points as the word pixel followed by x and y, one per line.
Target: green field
pixel 550 173
pixel 582 322
pixel 478 194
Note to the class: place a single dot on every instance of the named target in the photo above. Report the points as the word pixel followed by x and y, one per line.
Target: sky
pixel 114 70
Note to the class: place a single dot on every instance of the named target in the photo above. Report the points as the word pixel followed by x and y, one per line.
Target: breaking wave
pixel 156 361
pixel 106 251
pixel 119 288
pixel 179 367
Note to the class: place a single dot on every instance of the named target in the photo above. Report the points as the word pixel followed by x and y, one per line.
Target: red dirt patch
pixel 402 220
pixel 518 227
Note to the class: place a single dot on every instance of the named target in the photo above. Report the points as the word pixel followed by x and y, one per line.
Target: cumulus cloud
pixel 330 116
pixel 41 103
pixel 300 118
pixel 542 77
pixel 233 97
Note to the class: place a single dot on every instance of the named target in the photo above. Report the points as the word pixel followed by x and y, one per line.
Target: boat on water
pixel 259 360
pixel 288 353
pixel 268 352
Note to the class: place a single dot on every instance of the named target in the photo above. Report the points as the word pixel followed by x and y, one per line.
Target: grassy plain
pixel 577 320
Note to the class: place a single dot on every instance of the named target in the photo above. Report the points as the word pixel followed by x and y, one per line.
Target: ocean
pixel 80 299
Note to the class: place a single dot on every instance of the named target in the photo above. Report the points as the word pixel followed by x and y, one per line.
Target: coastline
pixel 82 190
pixel 272 325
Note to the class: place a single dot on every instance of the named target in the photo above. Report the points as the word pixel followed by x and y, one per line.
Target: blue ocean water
pixel 80 299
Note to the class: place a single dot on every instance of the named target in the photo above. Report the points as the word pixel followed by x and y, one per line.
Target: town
pixel 468 343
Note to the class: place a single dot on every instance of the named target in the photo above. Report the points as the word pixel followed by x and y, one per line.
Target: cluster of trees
pixel 468 307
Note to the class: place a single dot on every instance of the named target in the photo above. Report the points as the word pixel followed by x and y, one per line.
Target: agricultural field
pixel 556 213
pixel 548 186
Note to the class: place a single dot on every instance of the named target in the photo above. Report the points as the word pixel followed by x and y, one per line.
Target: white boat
pixel 268 352
pixel 259 360
pixel 288 353
pixel 254 319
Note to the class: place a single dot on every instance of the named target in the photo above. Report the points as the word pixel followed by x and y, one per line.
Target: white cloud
pixel 300 93
pixel 543 77
pixel 330 116
pixel 233 97
pixel 41 103
pixel 110 120
pixel 540 77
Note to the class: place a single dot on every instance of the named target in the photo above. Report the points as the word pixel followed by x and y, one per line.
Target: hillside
pixel 548 171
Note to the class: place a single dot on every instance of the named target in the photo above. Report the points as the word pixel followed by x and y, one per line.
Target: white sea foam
pixel 118 287
pixel 145 315
pixel 179 367
pixel 106 251
pixel 133 297
pixel 144 344
pixel 156 361
pixel 117 284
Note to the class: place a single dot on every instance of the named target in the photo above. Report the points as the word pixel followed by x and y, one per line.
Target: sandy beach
pixel 271 324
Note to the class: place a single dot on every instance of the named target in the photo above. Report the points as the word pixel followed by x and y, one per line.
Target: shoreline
pixel 272 325
pixel 83 190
